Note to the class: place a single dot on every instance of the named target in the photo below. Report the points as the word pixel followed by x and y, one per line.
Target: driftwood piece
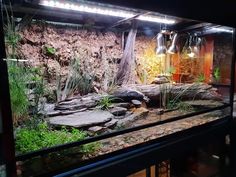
pixel 125 74
pixel 183 91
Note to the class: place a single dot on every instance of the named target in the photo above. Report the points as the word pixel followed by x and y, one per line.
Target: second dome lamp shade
pixel 161 48
pixel 173 49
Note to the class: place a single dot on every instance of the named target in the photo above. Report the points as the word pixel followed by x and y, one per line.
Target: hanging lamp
pixel 196 47
pixel 189 49
pixel 173 49
pixel 161 48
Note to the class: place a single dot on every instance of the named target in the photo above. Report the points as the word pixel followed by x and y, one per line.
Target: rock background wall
pixel 99 52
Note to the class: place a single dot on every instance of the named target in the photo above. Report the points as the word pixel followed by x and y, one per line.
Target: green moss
pixel 29 139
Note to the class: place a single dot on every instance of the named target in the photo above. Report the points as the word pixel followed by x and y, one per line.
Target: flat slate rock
pixel 118 111
pixel 204 104
pixel 128 113
pixel 97 129
pixel 136 103
pixel 139 113
pixel 111 123
pixel 82 119
pixel 123 105
pixel 76 104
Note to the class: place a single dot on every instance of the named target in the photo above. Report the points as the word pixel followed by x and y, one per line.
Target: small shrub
pixel 32 139
pixel 77 81
pixel 90 147
pixel 184 107
pixel 171 70
pixel 19 100
pixel 201 78
pixel 49 50
pixel 216 74
pixel 120 126
pixel 105 102
pixel 35 75
pixel 12 37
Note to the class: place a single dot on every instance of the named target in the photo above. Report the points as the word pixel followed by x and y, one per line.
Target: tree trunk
pixel 126 74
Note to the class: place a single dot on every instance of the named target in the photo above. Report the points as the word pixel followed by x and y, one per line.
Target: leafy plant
pixel 201 78
pixel 109 76
pixel 20 77
pixel 77 81
pixel 17 83
pixel 184 107
pixel 35 76
pixel 12 37
pixel 164 95
pixel 105 102
pixel 171 70
pixel 49 50
pixel 90 147
pixel 143 76
pixel 216 74
pixel 120 126
pixel 28 139
pixel 173 102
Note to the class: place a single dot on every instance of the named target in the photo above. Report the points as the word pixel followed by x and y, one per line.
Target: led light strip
pixel 221 29
pixel 104 11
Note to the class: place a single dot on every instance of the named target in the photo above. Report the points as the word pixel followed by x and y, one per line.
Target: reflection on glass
pixel 2 170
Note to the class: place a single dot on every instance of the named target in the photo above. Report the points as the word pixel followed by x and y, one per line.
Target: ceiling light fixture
pixel 103 11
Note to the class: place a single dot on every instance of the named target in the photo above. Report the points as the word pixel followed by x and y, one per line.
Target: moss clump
pixel 32 139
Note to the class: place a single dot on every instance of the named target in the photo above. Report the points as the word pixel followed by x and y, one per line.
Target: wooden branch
pixel 195 91
pixel 125 72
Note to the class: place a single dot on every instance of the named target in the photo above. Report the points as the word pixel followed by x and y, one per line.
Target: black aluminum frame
pixel 5 110
pixel 10 159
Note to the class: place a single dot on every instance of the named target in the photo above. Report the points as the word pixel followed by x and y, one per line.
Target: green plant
pixel 49 50
pixel 90 147
pixel 17 83
pixel 216 74
pixel 143 76
pixel 20 79
pixel 31 139
pixel 201 78
pixel 164 95
pixel 35 76
pixel 105 102
pixel 172 102
pixel 120 126
pixel 109 77
pixel 77 81
pixel 184 107
pixel 12 37
pixel 171 70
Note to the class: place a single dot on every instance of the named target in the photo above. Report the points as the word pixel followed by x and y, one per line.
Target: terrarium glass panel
pixel 111 68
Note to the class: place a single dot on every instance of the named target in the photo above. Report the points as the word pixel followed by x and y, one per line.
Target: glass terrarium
pixel 105 79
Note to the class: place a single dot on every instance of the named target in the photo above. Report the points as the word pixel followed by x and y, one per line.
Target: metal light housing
pixel 161 48
pixel 173 49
